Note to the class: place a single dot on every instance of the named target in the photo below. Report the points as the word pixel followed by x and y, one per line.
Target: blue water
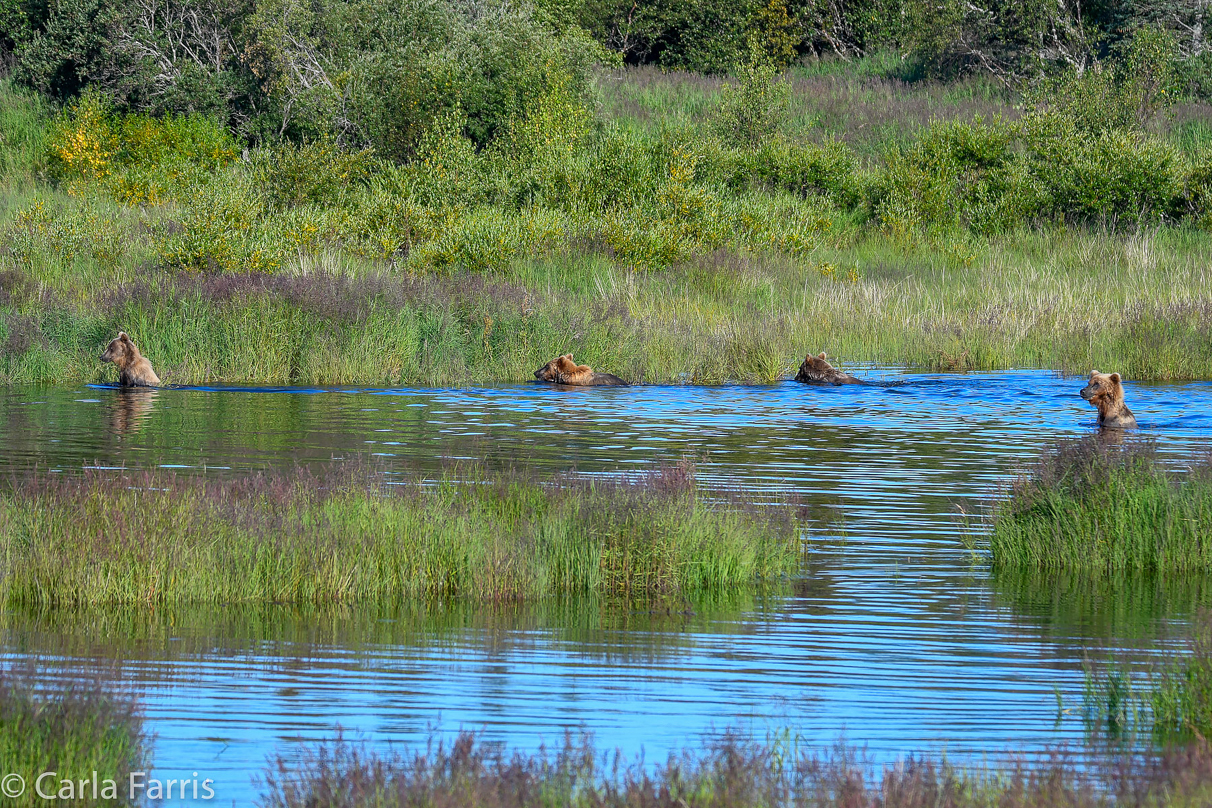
pixel 896 634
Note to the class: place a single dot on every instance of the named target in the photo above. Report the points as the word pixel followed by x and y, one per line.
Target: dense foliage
pixel 358 63
pixel 1101 506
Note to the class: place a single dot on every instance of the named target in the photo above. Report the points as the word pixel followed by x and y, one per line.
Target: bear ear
pixel 122 335
pixel 1094 373
pixel 1115 378
pixel 821 355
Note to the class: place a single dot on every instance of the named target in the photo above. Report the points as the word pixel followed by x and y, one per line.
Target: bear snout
pixel 1087 392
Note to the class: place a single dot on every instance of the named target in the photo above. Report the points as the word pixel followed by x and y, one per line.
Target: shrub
pixel 318 173
pixel 752 109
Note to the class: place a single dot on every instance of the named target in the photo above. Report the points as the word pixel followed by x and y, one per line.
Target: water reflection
pixel 895 633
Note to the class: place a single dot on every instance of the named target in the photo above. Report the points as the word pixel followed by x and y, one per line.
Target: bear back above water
pixel 133 368
pixel 1106 391
pixel 817 370
pixel 564 370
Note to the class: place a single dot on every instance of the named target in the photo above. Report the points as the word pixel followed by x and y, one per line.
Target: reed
pixel 78 729
pixel 1169 701
pixel 728 773
pixel 346 536
pixel 1106 507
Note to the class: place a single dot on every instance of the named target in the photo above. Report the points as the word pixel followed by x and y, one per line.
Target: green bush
pixel 752 108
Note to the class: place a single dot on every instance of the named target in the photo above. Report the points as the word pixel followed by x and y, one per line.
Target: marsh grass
pixel 1107 507
pixel 727 773
pixel 1171 701
pixel 650 250
pixel 75 728
pixel 348 536
pixel 1065 300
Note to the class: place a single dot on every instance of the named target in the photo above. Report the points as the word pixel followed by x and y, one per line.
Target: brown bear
pixel 133 368
pixel 563 370
pixel 816 370
pixel 1106 392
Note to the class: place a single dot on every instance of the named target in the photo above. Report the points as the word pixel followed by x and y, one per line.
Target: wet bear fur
pixel 1106 391
pixel 817 370
pixel 133 368
pixel 563 370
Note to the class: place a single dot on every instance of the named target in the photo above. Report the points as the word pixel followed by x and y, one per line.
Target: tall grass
pixel 158 539
pixel 1062 300
pixel 730 773
pixel 651 249
pixel 79 730
pixel 1107 507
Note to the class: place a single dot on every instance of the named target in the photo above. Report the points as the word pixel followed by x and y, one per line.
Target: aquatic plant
pixel 1106 506
pixel 1170 700
pixel 76 727
pixel 348 535
pixel 726 773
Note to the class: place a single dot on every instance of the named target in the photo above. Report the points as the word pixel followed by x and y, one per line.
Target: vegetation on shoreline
pixel 156 538
pixel 728 773
pixel 1106 508
pixel 78 729
pixel 84 730
pixel 501 191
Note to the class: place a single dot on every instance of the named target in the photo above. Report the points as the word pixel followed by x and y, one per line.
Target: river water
pixel 896 635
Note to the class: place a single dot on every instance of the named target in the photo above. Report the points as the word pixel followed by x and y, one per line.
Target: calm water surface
pixel 896 634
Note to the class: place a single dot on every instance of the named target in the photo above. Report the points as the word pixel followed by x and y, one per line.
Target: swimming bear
pixel 563 370
pixel 133 368
pixel 1106 392
pixel 816 370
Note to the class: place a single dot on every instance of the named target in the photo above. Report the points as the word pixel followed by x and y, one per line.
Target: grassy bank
pixel 117 539
pixel 874 219
pixel 77 730
pixel 729 774
pixel 1103 507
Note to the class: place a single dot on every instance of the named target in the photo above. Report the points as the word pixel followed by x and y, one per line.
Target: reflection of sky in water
pixel 893 636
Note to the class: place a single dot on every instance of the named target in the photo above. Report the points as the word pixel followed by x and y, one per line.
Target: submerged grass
pixel 730 773
pixel 155 538
pixel 78 729
pixel 1107 507
pixel 1172 701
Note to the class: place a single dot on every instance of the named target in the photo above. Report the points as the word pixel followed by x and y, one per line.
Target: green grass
pixel 1106 508
pixel 636 240
pixel 79 730
pixel 1171 701
pixel 1065 300
pixel 157 539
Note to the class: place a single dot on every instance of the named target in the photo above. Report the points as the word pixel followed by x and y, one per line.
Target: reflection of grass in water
pixel 1173 701
pixel 591 625
pixel 155 538
pixel 1128 605
pixel 1099 506
pixel 78 729
pixel 730 772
